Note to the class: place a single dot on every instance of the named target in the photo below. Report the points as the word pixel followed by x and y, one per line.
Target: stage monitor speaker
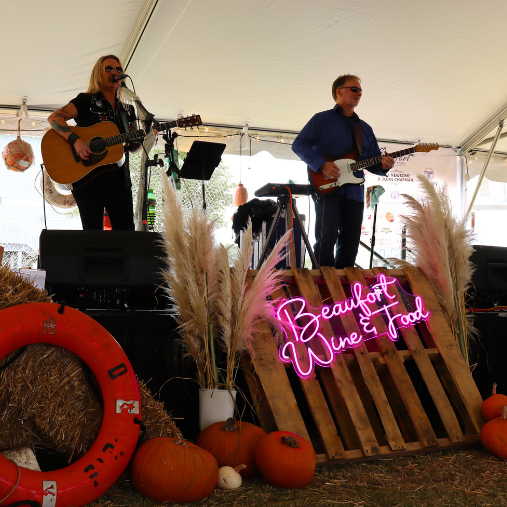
pixel 118 270
pixel 490 277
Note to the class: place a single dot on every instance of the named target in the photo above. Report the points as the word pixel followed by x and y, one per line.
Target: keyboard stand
pixel 283 204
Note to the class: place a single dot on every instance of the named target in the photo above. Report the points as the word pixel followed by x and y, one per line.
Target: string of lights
pixel 280 140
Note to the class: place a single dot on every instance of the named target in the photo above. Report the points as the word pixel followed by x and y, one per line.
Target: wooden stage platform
pixel 379 399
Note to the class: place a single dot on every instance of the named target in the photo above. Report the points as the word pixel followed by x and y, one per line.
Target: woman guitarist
pixel 107 187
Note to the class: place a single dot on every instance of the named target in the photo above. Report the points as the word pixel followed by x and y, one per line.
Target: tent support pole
pixel 486 163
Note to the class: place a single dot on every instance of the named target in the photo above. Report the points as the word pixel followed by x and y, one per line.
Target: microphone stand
pixel 172 167
pixel 372 249
pixel 149 163
pixel 148 120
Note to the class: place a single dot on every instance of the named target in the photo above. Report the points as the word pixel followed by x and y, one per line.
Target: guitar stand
pixel 149 163
pixel 283 201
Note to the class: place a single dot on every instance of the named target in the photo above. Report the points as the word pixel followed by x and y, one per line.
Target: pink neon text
pixel 297 309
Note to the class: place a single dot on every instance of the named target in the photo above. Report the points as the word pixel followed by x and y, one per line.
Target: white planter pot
pixel 215 405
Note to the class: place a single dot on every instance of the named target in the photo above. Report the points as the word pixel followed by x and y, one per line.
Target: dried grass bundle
pixel 191 276
pixel 16 290
pixel 214 304
pixel 441 245
pixel 242 303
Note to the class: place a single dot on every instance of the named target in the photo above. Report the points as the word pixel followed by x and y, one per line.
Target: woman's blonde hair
pixel 96 77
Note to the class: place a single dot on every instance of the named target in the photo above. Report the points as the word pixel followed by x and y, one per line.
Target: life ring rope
pixel 13 487
pixel 92 475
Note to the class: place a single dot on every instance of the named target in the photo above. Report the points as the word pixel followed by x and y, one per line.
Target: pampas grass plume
pixel 214 304
pixel 441 245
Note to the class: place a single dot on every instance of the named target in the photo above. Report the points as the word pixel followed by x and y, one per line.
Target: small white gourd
pixel 229 478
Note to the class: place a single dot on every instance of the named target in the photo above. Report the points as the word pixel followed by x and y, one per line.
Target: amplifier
pixel 489 280
pixel 117 270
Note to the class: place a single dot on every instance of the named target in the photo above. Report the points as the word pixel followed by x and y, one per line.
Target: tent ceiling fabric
pixel 272 62
pixel 55 43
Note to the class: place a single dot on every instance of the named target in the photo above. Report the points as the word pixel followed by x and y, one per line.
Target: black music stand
pixel 284 204
pixel 202 159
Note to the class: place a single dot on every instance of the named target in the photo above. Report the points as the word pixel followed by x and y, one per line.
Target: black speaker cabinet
pixel 118 270
pixel 489 281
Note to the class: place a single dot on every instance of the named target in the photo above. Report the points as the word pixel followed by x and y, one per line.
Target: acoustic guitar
pixel 348 165
pixel 105 143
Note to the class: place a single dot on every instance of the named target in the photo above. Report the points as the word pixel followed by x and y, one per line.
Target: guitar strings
pixel 98 143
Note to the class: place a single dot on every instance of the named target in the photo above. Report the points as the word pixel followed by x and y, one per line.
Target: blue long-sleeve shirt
pixel 330 134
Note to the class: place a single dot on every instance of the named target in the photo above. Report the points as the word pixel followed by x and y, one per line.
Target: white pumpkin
pixel 229 478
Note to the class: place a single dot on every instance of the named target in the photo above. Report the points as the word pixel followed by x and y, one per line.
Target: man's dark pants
pixel 337 225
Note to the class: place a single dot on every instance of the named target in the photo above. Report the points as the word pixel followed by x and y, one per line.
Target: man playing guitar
pixel 110 188
pixel 326 137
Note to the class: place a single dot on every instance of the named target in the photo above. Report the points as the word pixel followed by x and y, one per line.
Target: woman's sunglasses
pixel 110 69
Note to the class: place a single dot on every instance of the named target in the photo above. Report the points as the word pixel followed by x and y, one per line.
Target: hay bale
pixel 49 398
pixel 16 290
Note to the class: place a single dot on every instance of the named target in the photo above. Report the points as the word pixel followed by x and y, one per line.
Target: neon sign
pixel 387 305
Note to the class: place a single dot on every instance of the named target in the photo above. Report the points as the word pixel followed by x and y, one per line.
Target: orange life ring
pixel 85 480
pixel 53 195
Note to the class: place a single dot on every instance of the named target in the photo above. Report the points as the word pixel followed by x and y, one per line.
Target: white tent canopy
pixel 431 71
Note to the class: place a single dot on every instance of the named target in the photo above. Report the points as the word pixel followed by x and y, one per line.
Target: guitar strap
pixel 359 138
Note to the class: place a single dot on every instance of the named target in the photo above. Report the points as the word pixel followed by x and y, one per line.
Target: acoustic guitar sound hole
pixel 97 145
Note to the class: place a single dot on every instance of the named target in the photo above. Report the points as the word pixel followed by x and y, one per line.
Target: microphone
pixel 118 77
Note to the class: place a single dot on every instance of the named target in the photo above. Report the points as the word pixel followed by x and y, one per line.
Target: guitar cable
pixel 43 197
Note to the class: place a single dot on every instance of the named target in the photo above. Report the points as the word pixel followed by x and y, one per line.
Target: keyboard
pixel 279 189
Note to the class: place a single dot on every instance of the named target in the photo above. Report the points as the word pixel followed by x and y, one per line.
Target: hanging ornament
pixel 240 195
pixel 18 154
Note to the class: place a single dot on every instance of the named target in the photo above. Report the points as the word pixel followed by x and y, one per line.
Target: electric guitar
pixel 64 165
pixel 347 165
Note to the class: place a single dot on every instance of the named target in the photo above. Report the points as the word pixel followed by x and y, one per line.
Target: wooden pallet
pixel 379 399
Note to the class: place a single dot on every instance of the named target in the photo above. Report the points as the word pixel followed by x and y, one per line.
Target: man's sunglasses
pixel 110 68
pixel 354 89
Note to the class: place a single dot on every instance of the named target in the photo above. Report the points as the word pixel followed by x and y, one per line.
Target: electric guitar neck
pixel 348 165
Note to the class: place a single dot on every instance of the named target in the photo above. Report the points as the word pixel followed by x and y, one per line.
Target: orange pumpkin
pixel 492 407
pixel 494 435
pixel 172 470
pixel 232 444
pixel 286 460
